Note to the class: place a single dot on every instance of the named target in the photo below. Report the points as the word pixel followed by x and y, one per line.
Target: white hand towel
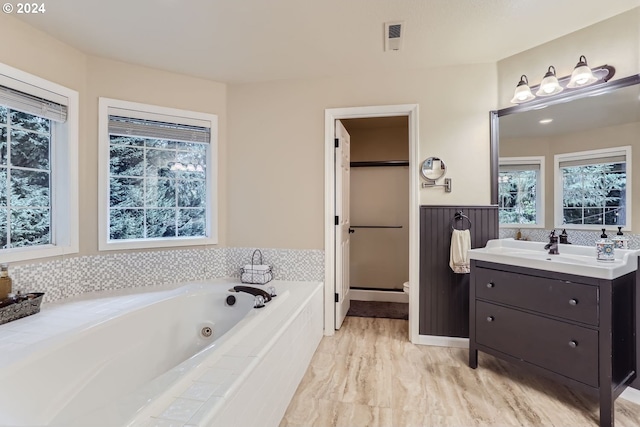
pixel 256 267
pixel 459 257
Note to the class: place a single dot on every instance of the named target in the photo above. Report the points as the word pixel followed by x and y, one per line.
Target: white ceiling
pixel 257 40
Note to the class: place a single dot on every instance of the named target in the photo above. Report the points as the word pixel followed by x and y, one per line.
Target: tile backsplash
pixel 76 275
pixel 576 237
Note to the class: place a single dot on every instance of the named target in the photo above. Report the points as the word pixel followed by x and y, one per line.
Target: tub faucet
pixel 261 297
pixel 552 246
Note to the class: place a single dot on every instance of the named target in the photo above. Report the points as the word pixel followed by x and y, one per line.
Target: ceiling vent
pixel 393 35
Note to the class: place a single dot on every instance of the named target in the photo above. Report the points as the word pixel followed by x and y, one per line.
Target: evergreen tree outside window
pixel 520 191
pixel 158 167
pixel 25 177
pixel 38 167
pixel 595 188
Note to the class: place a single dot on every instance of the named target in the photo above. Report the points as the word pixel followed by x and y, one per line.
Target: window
pixel 158 171
pixel 593 188
pixel 38 167
pixel 521 191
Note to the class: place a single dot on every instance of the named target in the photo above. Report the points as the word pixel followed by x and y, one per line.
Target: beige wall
pixel 37 53
pixel 379 258
pixel 614 136
pixel 276 157
pixel 615 41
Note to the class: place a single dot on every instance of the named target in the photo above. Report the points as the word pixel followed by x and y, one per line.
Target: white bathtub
pixel 138 358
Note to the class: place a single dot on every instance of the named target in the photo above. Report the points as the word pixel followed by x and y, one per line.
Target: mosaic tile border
pixel 69 277
pixel 577 237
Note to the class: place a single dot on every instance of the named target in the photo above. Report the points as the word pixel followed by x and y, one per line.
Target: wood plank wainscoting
pixel 444 295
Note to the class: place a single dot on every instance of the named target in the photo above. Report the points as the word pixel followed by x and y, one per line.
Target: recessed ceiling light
pixel 545 121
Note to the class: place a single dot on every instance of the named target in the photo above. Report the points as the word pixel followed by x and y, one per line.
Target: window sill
pixel 32 253
pixel 516 226
pixel 156 243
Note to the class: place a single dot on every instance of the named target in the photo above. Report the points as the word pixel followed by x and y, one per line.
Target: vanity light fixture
pixel 545 121
pixel 523 91
pixel 549 85
pixel 582 74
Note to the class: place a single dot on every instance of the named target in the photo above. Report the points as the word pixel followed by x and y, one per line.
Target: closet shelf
pixel 376 226
pixel 380 163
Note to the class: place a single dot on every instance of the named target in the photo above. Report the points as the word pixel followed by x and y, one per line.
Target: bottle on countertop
pixel 604 248
pixel 620 241
pixel 519 235
pixel 5 281
pixel 564 237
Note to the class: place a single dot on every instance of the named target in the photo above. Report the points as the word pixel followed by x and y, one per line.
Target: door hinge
pixel 337 141
pixel 337 220
pixel 337 297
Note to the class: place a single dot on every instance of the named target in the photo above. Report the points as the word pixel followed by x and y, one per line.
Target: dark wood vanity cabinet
pixel 577 330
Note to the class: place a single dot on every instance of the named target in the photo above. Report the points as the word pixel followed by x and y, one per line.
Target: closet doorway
pixel 375 274
pixel 379 215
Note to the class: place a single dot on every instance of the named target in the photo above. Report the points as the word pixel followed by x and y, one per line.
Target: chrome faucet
pixel 552 246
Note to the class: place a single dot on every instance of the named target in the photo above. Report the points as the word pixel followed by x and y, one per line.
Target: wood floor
pixel 368 374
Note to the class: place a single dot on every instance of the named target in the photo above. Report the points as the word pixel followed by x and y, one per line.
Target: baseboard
pixel 631 394
pixel 383 296
pixel 439 341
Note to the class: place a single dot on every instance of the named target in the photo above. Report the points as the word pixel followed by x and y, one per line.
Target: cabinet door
pixel 572 301
pixel 560 347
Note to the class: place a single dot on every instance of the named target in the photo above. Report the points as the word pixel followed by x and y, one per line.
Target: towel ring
pixel 459 216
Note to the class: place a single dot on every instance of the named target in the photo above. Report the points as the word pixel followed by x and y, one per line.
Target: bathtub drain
pixel 206 332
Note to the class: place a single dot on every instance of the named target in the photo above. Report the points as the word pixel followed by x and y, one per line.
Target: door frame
pixel 330 116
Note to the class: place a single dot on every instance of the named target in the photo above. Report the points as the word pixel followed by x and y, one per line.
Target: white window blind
pixel 520 167
pixel 127 126
pixel 40 107
pixel 605 160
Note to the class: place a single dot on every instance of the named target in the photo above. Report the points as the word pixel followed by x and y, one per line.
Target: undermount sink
pixel 572 259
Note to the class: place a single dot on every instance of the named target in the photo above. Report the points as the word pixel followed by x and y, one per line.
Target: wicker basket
pixel 256 273
pixel 16 310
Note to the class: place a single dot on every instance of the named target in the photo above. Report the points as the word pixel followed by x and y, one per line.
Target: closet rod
pixel 376 226
pixel 380 163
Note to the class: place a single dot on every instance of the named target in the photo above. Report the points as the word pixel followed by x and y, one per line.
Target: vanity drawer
pixel 563 348
pixel 573 301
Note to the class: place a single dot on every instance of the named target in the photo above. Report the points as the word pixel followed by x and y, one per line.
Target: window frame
pixel 154 112
pixel 540 188
pixel 63 169
pixel 587 155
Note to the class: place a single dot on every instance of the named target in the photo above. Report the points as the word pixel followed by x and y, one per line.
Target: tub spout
pixel 261 297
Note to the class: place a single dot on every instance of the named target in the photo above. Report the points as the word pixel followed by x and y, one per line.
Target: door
pixel 342 170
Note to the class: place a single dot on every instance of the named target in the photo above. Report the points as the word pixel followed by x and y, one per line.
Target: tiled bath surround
pixel 76 275
pixel 576 237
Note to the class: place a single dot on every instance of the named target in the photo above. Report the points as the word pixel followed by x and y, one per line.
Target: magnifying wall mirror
pixel 432 169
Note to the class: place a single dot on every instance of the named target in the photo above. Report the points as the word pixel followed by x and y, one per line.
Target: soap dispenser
pixel 604 248
pixel 620 241
pixel 5 281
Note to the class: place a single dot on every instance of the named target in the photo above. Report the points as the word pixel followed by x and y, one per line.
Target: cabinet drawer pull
pixel 573 344
pixel 573 301
pixel 490 285
pixel 490 319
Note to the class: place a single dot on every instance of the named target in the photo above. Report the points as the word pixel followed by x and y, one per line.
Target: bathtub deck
pixel 67 316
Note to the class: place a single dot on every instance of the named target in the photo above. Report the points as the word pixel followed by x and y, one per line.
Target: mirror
pixel 565 162
pixel 433 169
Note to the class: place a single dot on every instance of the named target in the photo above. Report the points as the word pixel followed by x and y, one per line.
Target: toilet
pixel 405 287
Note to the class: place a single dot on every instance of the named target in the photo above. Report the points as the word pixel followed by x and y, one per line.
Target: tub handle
pixel 258 301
